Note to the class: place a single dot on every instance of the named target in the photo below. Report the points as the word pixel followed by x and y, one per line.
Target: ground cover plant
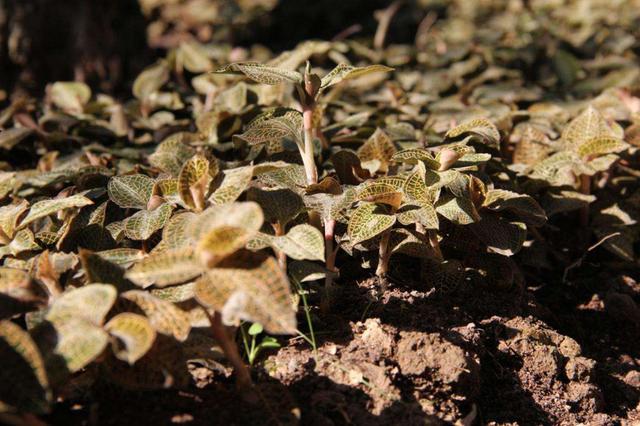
pixel 362 230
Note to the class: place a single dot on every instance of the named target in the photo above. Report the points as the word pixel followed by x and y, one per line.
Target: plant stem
pixel 383 255
pixel 282 257
pixel 585 188
pixel 330 261
pixel 435 244
pixel 307 313
pixel 307 153
pixel 230 350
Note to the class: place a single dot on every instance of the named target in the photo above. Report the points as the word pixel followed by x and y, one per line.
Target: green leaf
pixel 368 221
pixel 255 329
pixel 261 73
pixel 344 72
pixel 135 336
pixel 130 191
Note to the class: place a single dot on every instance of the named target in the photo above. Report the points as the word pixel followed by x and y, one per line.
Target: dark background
pixel 105 43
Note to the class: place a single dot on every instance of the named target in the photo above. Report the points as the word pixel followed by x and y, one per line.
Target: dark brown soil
pixel 560 354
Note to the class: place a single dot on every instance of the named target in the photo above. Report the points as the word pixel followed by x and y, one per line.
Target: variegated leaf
pixel 278 205
pixel 144 223
pixel 193 182
pixel 45 208
pixel 131 191
pixel 344 72
pixel 173 266
pixel 525 207
pixel 172 153
pixel 261 73
pixel 302 242
pixel 378 147
pixel 134 334
pixel 165 317
pixel 601 145
pixel 480 127
pixel 250 287
pixel 91 303
pixel 233 184
pixel 368 221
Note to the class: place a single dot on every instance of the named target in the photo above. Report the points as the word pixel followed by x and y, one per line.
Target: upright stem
pixel 383 254
pixel 230 350
pixel 435 244
pixel 585 188
pixel 307 155
pixel 282 257
pixel 330 259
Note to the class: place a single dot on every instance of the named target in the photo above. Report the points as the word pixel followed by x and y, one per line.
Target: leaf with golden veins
pixel 590 124
pixel 302 242
pixel 91 303
pixel 165 317
pixel 380 193
pixel 165 268
pixel 251 287
pixel 481 127
pixel 368 221
pixel 261 73
pixel 233 184
pixel 193 182
pixel 130 191
pixel 379 147
pixel 144 223
pixel 343 72
pixel 45 208
pixel 135 336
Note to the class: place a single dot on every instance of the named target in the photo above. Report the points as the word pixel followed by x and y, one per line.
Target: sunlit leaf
pixel 45 208
pixel 262 73
pixel 91 303
pixel 144 223
pixel 368 221
pixel 165 268
pixel 344 72
pixel 134 334
pixel 131 191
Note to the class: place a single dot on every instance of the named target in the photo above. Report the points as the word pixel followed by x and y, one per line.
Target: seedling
pixel 253 349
